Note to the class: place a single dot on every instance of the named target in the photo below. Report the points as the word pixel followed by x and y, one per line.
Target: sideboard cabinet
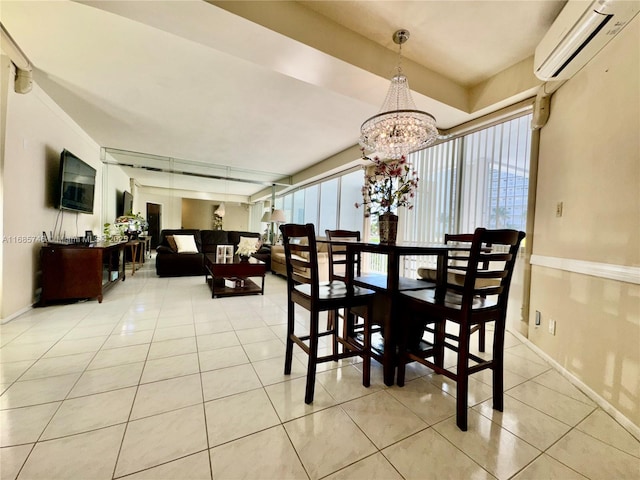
pixel 80 271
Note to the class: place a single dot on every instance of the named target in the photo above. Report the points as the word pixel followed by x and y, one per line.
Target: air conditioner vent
pixel 578 34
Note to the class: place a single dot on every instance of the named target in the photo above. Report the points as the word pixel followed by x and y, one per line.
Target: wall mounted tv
pixel 77 184
pixel 127 203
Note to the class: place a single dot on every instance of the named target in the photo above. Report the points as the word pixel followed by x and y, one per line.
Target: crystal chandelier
pixel 398 129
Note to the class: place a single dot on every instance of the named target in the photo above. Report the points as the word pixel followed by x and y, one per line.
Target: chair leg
pixel 349 324
pixel 289 344
pixel 498 366
pixel 461 403
pixel 333 324
pixel 438 342
pixel 402 361
pixel 481 334
pixel 403 346
pixel 313 358
pixel 462 381
pixel 366 358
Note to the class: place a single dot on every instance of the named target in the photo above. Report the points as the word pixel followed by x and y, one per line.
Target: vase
pixel 388 227
pixel 244 258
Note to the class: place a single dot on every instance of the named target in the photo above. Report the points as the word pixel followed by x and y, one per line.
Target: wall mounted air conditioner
pixel 579 32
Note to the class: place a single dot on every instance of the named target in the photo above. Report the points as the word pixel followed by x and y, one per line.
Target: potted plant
pixel 388 185
pixel 106 231
pixel 131 225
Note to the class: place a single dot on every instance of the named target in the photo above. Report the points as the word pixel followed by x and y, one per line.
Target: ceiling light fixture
pixel 398 129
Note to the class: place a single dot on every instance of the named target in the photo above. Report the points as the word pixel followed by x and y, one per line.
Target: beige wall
pixel 236 217
pixel 590 161
pixel 36 130
pixel 198 213
pixel 171 206
pixel 183 208
pixel 4 93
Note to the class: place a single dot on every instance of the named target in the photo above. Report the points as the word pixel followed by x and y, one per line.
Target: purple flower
pixel 388 185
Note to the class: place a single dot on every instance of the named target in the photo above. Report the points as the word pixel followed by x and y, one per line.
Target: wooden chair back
pixel 460 258
pixel 301 252
pixel 338 254
pixel 487 266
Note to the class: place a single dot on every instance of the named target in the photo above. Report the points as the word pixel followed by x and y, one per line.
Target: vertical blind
pixel 477 180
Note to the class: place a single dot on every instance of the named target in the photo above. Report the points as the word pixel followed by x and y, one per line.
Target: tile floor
pixel 162 382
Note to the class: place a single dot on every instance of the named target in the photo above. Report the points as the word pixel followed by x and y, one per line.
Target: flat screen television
pixel 127 203
pixel 77 184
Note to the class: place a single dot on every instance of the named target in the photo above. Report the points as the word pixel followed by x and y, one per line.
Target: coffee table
pixel 238 269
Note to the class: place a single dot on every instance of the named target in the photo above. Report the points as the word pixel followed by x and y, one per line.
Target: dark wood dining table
pixel 387 309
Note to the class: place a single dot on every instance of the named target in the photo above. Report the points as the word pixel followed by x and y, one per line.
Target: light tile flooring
pixel 162 382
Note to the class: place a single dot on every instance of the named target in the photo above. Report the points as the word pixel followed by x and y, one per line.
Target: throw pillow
pixel 186 243
pixel 172 243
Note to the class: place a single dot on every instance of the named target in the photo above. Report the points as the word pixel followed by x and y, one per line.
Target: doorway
pixel 154 217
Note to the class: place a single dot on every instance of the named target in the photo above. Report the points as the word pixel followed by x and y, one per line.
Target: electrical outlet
pixel 559 209
pixel 552 326
pixel 538 318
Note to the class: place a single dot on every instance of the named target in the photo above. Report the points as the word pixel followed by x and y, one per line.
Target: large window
pixel 496 176
pixel 480 179
pixel 329 205
pixel 351 218
pixel 311 204
pixel 297 210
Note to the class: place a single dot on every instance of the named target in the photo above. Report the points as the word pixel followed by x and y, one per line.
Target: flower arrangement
pixel 131 223
pixel 247 246
pixel 388 185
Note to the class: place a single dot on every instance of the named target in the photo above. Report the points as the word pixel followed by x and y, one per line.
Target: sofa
pixel 170 263
pixel 279 263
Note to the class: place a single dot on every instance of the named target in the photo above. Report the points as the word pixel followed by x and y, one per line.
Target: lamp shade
pixel 277 216
pixel 266 217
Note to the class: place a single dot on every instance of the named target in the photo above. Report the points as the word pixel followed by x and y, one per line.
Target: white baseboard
pixel 15 315
pixel 631 427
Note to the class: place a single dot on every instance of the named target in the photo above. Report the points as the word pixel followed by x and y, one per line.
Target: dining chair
pixel 352 324
pixel 301 251
pixel 456 260
pixel 473 303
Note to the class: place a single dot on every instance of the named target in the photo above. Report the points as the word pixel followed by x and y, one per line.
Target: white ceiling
pixel 271 87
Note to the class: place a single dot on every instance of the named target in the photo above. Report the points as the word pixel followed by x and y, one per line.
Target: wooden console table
pixel 146 248
pixel 80 271
pixel 137 255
